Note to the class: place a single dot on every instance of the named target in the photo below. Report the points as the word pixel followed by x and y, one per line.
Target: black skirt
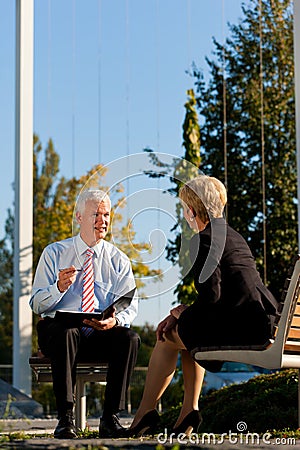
pixel 214 326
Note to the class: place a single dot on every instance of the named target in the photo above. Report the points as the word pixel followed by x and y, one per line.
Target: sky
pixel 110 79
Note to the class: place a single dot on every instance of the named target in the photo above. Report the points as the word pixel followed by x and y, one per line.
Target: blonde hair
pixel 207 196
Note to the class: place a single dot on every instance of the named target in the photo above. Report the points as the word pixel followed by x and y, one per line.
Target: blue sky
pixel 109 80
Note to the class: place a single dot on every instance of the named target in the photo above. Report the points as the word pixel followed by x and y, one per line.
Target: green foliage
pixel 247 139
pixel 53 219
pixel 95 399
pixel 179 247
pixel 43 394
pixel 180 172
pixel 148 339
pixel 6 293
pixel 173 394
pixel 236 71
pixel 168 418
pixel 54 201
pixel 191 131
pixel 264 403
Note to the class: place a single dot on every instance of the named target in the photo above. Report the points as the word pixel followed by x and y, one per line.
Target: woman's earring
pixel 192 219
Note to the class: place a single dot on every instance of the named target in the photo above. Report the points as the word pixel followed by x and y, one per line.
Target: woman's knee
pixel 172 338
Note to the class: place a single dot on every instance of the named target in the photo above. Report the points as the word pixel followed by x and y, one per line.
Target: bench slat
pixel 37 361
pixel 295 321
pixel 291 346
pixel 294 333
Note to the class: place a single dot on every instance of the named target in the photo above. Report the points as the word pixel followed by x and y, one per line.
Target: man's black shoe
pixel 65 428
pixel 110 427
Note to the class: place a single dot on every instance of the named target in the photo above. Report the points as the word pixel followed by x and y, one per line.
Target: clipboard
pixel 74 319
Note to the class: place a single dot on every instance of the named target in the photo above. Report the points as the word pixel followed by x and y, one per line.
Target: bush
pixel 43 393
pixel 264 403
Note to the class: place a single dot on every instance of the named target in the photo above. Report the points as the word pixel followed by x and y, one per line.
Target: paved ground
pixel 41 438
pixel 42 426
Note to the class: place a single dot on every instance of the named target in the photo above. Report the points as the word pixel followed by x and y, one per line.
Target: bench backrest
pixel 288 322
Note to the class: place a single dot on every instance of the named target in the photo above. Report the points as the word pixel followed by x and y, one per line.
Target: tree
pixel 255 68
pixel 178 172
pixel 54 200
pixel 148 340
pixel 178 249
pixel 53 219
pixel 6 292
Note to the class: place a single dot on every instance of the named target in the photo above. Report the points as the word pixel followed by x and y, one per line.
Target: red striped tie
pixel 87 304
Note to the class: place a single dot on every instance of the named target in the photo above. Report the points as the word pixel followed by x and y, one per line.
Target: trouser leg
pixel 121 365
pixel 61 345
pixel 119 347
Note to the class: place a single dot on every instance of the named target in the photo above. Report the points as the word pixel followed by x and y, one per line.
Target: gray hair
pixel 96 195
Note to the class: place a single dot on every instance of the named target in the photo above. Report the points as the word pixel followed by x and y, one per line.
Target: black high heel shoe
pixel 190 423
pixel 146 424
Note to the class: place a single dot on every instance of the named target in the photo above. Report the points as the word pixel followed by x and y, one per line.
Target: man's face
pixel 94 221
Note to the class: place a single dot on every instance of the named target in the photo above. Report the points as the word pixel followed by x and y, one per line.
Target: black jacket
pixel 233 307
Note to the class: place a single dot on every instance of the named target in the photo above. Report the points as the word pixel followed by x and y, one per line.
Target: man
pixel 84 273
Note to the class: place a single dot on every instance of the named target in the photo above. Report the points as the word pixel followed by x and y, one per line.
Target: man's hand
pixel 66 277
pixel 105 324
pixel 165 325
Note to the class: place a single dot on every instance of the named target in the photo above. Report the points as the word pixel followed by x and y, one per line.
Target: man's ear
pixel 78 217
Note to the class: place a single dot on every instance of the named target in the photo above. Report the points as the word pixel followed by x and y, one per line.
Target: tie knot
pixel 89 252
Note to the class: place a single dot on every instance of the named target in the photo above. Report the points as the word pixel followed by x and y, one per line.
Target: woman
pixel 231 298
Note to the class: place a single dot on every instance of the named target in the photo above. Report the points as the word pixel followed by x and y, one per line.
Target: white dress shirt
pixel 112 272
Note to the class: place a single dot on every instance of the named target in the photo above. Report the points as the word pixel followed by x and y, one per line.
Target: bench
pixel 86 371
pixel 281 352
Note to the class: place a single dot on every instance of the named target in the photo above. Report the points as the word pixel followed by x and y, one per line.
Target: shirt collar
pixel 82 247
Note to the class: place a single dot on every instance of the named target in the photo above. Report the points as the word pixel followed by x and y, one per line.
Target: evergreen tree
pixel 237 67
pixel 178 249
pixel 180 171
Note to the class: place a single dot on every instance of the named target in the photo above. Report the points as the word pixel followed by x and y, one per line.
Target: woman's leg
pixel 193 375
pixel 161 369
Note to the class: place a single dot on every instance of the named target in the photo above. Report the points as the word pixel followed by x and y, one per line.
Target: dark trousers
pixel 65 346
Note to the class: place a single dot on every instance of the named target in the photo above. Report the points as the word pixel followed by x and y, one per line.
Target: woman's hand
pixel 165 325
pixel 175 312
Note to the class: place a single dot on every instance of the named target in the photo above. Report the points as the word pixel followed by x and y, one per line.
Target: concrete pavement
pixel 40 433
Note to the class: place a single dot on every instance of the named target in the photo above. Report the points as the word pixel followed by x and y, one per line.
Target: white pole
pixel 297 97
pixel 23 196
